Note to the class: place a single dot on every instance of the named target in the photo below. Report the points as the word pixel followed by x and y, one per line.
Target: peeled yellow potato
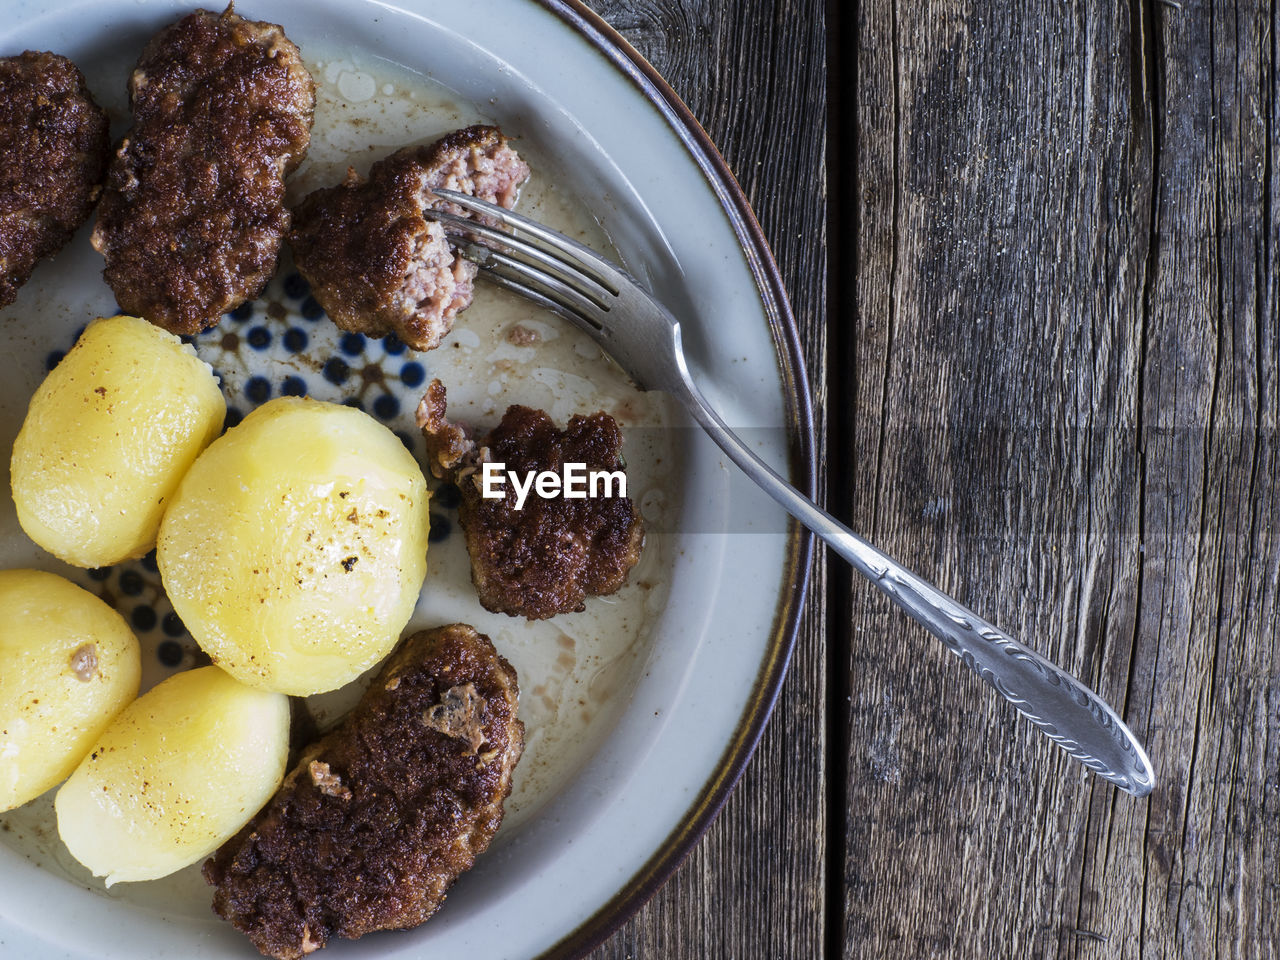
pixel 68 664
pixel 107 437
pixel 295 547
pixel 174 776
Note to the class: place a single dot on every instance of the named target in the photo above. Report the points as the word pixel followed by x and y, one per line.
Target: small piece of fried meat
pixel 193 213
pixel 381 815
pixel 55 142
pixel 374 262
pixel 551 554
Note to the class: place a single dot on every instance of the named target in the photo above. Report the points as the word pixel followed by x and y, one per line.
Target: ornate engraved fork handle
pixel 1066 710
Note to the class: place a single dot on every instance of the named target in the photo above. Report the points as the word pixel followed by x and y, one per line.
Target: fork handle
pixel 1068 712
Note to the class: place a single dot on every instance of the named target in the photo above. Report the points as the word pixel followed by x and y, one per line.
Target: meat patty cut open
pixel 55 142
pixel 547 556
pixel 193 213
pixel 381 815
pixel 374 262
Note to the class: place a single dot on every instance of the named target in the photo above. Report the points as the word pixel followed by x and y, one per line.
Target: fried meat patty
pixel 193 213
pixel 548 556
pixel 55 142
pixel 381 815
pixel 374 262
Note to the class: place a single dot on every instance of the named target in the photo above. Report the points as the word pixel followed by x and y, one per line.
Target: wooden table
pixel 1033 259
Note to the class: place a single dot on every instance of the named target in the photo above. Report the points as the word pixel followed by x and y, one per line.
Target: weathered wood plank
pixel 752 72
pixel 1208 612
pixel 1064 410
pixel 997 294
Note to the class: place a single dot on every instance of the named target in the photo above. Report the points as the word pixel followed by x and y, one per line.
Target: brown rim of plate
pixel 773 295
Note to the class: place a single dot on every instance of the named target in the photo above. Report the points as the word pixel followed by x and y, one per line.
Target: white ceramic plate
pixel 642 710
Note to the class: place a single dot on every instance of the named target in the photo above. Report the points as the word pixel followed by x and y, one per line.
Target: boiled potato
pixel 174 776
pixel 107 437
pixel 68 664
pixel 295 547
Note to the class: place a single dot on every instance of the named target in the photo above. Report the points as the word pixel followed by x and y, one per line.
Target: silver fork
pixel 644 338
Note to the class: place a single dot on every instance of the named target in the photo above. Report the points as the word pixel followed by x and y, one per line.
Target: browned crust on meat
pixel 547 557
pixel 374 262
pixel 380 816
pixel 193 213
pixel 448 446
pixel 55 143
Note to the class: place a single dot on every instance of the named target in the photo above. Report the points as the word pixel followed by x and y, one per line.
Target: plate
pixel 643 709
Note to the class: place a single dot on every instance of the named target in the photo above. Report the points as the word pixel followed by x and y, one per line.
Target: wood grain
pixel 1064 411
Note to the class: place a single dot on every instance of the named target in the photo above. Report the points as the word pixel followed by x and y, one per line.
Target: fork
pixel 643 337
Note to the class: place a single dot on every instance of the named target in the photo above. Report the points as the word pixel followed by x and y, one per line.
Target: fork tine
pixel 463 230
pixel 543 288
pixel 528 293
pixel 590 263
